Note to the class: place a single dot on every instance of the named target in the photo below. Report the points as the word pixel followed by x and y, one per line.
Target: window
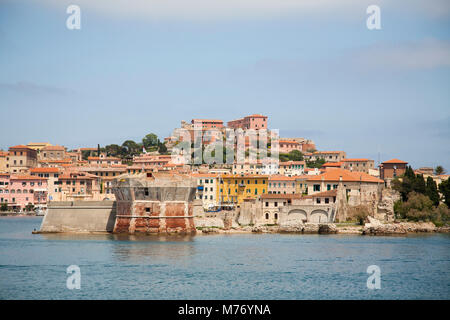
pixel 317 200
pixel 267 204
pixel 327 200
pixel 275 204
pixel 316 187
pixel 267 216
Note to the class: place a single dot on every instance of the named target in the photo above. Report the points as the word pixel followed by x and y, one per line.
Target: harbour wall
pixel 79 216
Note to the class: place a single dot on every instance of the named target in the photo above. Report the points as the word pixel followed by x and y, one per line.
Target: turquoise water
pixel 253 266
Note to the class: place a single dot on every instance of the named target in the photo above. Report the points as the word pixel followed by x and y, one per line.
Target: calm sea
pixel 253 266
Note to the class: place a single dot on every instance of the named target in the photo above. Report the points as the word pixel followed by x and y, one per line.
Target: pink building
pixel 20 190
pixel 287 145
pixel 207 124
pixel 254 121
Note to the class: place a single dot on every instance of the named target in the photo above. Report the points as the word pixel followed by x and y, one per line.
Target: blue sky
pixel 312 66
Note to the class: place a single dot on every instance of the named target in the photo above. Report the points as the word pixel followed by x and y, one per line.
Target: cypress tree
pixel 419 184
pixel 432 191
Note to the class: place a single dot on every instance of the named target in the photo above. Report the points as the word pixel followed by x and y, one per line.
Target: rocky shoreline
pixel 374 227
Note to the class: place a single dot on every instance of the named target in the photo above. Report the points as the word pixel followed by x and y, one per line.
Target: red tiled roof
pixel 395 161
pixel 26 177
pixel 53 148
pixel 44 170
pixel 332 164
pixel 280 177
pixel 105 159
pixel 204 175
pixel 281 196
pixel 349 176
pixel 20 146
pixel 320 152
pixel 355 160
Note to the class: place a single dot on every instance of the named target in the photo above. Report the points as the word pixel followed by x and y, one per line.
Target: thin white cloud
pixel 425 54
pixel 245 9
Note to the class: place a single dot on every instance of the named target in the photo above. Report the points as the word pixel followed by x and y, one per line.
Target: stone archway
pixel 297 215
pixel 318 216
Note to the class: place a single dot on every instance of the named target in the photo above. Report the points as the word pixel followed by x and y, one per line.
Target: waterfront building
pixel 358 187
pixel 106 175
pixel 301 185
pixel 21 159
pixel 51 174
pixel 78 186
pixel 20 190
pixel 206 189
pixel 280 184
pixel 233 189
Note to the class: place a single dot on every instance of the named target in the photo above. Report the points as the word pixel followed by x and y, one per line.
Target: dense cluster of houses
pixel 36 173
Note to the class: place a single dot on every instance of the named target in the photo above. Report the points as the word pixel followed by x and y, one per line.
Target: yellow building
pixel 233 189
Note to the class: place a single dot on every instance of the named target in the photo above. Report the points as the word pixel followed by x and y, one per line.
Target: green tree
pixel 315 164
pixel 150 140
pixel 419 185
pixel 85 154
pixel 444 188
pixel 439 170
pixel 431 191
pixel 295 155
pixel 162 149
pixel 113 150
pixel 418 207
pixel 4 206
pixel 131 148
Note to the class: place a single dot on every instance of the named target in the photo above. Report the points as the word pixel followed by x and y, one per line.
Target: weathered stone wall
pixel 79 216
pixel 154 205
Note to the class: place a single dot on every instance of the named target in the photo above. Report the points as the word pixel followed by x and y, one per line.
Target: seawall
pixel 79 216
